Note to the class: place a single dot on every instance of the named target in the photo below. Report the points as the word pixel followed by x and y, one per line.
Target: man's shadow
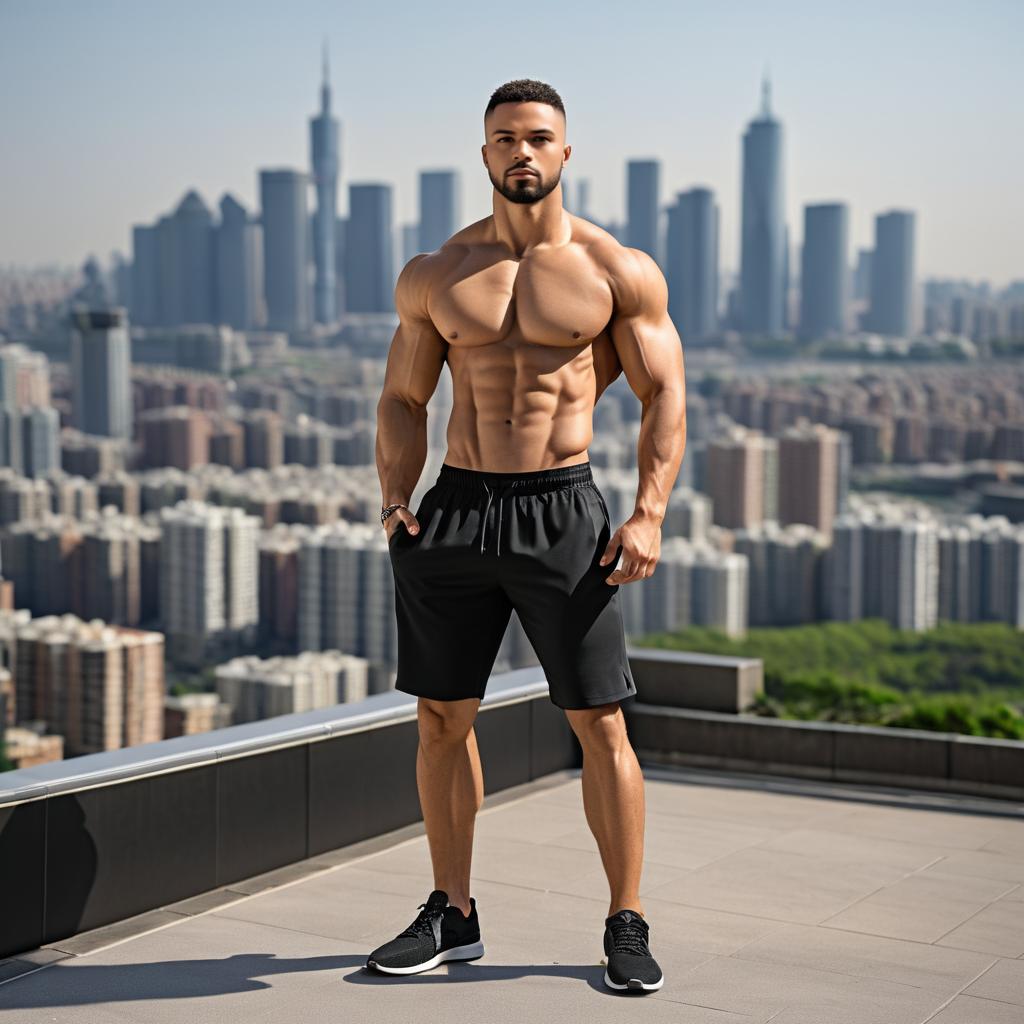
pixel 70 984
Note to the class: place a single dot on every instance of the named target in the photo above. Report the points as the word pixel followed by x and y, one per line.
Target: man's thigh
pixel 572 617
pixel 450 611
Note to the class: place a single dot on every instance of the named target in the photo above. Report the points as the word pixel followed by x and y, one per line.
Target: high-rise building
pixel 691 264
pixel 239 249
pixel 642 196
pixel 808 467
pixel 440 201
pixel 100 686
pixel 208 579
pixel 410 241
pixel 892 275
pixel 324 133
pixel 145 305
pixel 741 477
pixel 174 263
pixel 194 243
pixel 862 276
pixel 369 250
pixel 285 249
pixel 763 236
pixel 101 401
pixel 40 440
pixel 824 270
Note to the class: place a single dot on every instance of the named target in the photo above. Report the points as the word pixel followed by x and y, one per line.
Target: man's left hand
pixel 640 537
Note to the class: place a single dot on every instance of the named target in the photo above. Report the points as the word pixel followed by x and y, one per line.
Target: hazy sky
pixel 110 110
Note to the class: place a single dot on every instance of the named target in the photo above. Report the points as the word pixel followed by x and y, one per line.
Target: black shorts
pixel 493 542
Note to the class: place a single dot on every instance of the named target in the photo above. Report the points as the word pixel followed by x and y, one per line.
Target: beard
pixel 525 190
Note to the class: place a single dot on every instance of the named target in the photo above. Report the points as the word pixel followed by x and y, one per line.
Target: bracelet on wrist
pixel 385 512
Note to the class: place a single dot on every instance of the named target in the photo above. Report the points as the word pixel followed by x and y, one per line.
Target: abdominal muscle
pixel 519 407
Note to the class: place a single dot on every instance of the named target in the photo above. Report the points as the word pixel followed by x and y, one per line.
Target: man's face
pixel 525 137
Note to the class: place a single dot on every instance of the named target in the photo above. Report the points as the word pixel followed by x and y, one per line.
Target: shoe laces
pixel 629 937
pixel 423 925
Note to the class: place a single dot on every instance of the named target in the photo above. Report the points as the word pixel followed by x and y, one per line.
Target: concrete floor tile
pixel 1004 981
pixel 920 965
pixel 841 846
pixel 917 825
pixel 922 907
pixel 985 864
pixel 971 1010
pixel 777 884
pixel 998 928
pixel 806 994
pixel 680 842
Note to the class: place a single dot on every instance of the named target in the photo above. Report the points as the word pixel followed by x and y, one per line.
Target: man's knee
pixel 600 726
pixel 446 721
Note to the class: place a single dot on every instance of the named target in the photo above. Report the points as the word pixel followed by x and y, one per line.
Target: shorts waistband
pixel 532 482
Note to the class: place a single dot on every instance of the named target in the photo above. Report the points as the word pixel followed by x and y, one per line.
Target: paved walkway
pixel 816 905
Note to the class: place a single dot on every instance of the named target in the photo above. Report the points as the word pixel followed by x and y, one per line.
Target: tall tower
pixel 439 208
pixel 763 241
pixel 285 219
pixel 824 273
pixel 642 206
pixel 323 134
pixel 892 275
pixel 691 264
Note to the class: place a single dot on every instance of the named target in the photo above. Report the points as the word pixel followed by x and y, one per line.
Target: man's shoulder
pixel 631 273
pixel 425 266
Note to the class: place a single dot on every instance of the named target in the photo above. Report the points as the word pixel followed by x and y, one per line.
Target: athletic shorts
pixel 493 542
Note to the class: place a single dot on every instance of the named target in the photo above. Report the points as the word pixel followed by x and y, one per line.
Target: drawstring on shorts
pixel 483 531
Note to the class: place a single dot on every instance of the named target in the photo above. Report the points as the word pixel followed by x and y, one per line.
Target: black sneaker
pixel 628 957
pixel 440 932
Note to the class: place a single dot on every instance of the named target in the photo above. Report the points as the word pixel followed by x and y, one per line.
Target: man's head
pixel 524 129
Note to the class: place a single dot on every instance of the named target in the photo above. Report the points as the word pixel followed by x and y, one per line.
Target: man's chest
pixel 544 299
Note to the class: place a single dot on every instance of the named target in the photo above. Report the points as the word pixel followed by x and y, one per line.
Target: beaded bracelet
pixel 385 512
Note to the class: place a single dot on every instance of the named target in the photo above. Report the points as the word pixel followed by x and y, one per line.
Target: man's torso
pixel 528 345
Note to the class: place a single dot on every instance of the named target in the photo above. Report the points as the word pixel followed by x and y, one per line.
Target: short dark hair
pixel 525 90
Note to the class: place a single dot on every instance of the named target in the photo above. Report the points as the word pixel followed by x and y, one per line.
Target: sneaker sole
pixel 472 951
pixel 635 984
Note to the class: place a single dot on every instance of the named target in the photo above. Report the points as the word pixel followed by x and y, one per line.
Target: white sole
pixel 472 951
pixel 635 984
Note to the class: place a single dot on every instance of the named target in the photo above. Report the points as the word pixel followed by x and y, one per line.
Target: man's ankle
pixel 462 903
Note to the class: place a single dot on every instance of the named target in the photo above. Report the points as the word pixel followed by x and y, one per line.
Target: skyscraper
pixel 285 249
pixel 101 401
pixel 642 177
pixel 145 304
pixel 239 266
pixel 323 131
pixel 892 275
pixel 440 199
pixel 763 236
pixel 193 228
pixel 824 270
pixel 691 264
pixel 369 250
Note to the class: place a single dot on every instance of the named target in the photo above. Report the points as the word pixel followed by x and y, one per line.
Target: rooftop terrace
pixel 769 898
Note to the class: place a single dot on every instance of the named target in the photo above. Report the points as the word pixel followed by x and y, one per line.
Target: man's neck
pixel 521 227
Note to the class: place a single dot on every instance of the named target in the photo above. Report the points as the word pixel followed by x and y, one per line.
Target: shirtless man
pixel 536 312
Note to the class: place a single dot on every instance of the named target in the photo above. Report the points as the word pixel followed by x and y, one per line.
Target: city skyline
pixel 118 148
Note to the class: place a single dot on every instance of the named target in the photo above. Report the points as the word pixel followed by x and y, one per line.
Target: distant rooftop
pixel 768 899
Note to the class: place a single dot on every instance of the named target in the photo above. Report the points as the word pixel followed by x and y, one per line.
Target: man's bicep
pixel 417 353
pixel 645 339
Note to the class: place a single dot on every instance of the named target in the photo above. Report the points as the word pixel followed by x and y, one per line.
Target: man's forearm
pixel 401 448
pixel 660 451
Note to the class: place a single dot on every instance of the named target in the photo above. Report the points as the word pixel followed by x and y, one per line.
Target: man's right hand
pixel 398 517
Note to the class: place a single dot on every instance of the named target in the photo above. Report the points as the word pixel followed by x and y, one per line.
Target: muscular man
pixel 536 312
